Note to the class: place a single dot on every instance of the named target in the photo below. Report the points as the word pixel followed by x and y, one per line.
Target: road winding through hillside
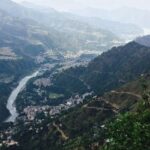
pixel 13 96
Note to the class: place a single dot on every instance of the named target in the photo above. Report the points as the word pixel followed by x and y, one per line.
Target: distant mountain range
pixel 126 31
pixel 59 31
pixel 52 28
pixel 124 15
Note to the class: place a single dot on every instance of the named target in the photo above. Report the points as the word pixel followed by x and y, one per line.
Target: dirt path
pixel 64 136
pixel 114 106
pixel 101 109
pixel 129 93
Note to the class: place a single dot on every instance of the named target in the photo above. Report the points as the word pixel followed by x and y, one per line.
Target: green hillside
pixel 89 125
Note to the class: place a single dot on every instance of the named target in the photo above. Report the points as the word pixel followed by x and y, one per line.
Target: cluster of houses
pixel 32 111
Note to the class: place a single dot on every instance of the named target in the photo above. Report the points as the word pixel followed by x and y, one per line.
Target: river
pixel 13 96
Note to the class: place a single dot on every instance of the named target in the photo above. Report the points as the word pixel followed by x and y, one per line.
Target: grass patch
pixel 55 95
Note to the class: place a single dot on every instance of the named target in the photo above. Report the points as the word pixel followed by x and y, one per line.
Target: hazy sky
pixel 106 4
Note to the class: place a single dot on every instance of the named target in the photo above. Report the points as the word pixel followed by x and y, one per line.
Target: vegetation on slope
pixel 93 124
pixel 111 69
pixel 118 66
pixel 107 72
pixel 62 86
pixel 132 130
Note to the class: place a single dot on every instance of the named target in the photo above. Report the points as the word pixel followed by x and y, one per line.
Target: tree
pixel 131 131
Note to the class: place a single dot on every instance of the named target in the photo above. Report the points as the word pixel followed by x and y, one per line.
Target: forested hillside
pixel 111 69
pixel 105 122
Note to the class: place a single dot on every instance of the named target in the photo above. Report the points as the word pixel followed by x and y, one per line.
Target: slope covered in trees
pixel 99 123
pixel 111 69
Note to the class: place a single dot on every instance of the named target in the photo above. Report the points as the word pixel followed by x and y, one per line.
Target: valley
pixel 54 102
pixel 73 80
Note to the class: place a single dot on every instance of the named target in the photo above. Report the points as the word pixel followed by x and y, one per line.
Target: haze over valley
pixel 74 75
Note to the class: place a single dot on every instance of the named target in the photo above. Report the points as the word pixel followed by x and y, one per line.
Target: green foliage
pixel 71 80
pixel 108 71
pixel 55 95
pixel 117 66
pixel 130 131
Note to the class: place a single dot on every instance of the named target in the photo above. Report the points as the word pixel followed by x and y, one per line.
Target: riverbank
pixel 11 100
